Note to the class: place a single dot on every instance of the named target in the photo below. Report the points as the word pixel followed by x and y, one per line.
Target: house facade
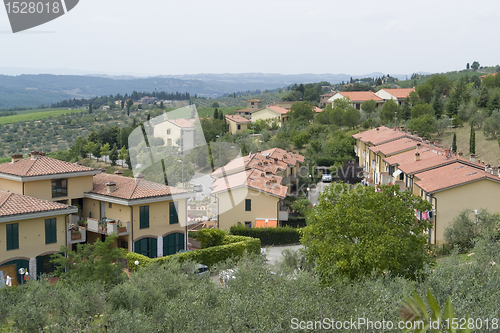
pixel 176 133
pixel 237 124
pixel 357 98
pixel 47 203
pixel 398 95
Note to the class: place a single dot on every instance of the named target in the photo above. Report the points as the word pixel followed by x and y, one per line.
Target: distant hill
pixel 35 90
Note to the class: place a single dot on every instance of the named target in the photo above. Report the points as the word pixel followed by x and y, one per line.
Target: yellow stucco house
pixel 175 132
pixel 42 196
pixel 237 124
pixel 270 112
pixel 262 179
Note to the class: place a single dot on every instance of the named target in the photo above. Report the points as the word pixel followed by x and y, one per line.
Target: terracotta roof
pixel 254 179
pixel 430 157
pixel 330 94
pixel 130 188
pixel 244 110
pixel 360 96
pixel 254 100
pixel 275 108
pixel 237 119
pixel 383 135
pixel 183 123
pixel 317 110
pixel 16 204
pixel 254 161
pixel 283 155
pixel 400 93
pixel 451 175
pixel 40 166
pixel 483 76
pixel 396 146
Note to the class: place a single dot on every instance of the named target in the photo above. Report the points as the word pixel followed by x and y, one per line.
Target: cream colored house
pixel 250 197
pixel 453 188
pixel 398 95
pixel 252 105
pixel 237 124
pixel 262 180
pixel 176 132
pixel 270 112
pixel 42 198
pixel 357 98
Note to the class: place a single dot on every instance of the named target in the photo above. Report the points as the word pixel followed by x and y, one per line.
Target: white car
pixel 326 177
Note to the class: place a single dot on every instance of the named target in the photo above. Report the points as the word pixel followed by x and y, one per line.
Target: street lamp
pixel 182 180
pixel 136 263
pixel 477 213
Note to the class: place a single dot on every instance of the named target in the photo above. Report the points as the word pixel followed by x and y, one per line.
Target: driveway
pixel 315 192
pixel 273 253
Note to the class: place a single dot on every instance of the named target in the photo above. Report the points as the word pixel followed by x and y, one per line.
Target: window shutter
pixel 172 208
pixel 12 236
pixel 144 217
pixel 153 249
pixel 248 205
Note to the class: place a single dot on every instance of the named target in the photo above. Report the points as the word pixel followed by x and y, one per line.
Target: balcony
pixel 107 227
pixel 75 237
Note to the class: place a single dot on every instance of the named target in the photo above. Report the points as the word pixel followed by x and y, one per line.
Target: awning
pixel 261 223
pixel 397 173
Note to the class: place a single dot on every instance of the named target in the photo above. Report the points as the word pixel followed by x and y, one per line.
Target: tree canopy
pixel 355 233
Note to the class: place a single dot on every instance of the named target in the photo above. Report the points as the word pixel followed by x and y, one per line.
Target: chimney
pixel 418 146
pixel 402 128
pixel 482 162
pixel 118 172
pixel 479 161
pixel 417 156
pixel 377 130
pixel 16 157
pixel 34 155
pixel 494 171
pixel 416 134
pixel 268 184
pixel 360 131
pixel 487 168
pixel 110 187
pixel 473 158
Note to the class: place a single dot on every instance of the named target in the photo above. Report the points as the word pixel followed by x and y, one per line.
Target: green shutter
pixel 144 217
pixel 147 247
pixel 173 243
pixel 50 231
pixel 153 250
pixel 248 205
pixel 172 208
pixel 12 236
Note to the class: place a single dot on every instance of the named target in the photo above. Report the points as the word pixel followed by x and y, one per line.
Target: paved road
pixel 315 192
pixel 273 253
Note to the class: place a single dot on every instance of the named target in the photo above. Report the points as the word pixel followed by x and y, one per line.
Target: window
pixel 168 131
pixel 248 223
pixel 59 188
pixel 147 247
pixel 248 205
pixel 12 236
pixel 252 103
pixel 143 217
pixel 173 243
pixel 402 176
pixel 239 127
pixel 51 231
pixel 172 208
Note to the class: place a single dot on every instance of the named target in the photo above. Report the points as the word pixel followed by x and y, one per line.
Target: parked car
pixel 201 269
pixel 197 187
pixel 326 177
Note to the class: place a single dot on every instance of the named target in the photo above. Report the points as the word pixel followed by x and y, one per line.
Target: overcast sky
pixel 159 37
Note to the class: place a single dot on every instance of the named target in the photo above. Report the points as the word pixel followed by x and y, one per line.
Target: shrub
pixel 192 234
pixel 269 236
pixel 234 246
pixel 210 237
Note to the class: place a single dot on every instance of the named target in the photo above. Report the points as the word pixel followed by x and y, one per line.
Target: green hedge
pixel 210 237
pixel 234 246
pixel 268 236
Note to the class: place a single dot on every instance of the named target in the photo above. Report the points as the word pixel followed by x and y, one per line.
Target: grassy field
pixel 35 116
pixel 486 149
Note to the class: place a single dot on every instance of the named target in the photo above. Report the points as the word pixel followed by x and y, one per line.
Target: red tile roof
pixel 400 93
pixel 16 204
pixel 317 110
pixel 283 155
pixel 383 135
pixel 360 96
pixel 41 166
pixel 184 123
pixel 483 76
pixel 254 179
pixel 451 175
pixel 130 188
pixel 255 161
pixel 429 158
pixel 396 146
pixel 254 100
pixel 276 108
pixel 237 119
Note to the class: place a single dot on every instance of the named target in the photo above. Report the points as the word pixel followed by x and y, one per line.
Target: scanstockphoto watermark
pixel 354 324
pixel 365 324
pixel 24 15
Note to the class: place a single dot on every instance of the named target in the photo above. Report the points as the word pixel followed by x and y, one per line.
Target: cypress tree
pixel 472 141
pixel 216 113
pixel 454 143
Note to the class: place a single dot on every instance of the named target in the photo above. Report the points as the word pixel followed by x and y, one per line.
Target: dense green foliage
pixel 231 247
pixel 210 237
pixel 268 236
pixel 355 233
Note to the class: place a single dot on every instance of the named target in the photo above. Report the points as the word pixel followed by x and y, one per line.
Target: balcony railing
pixel 108 227
pixel 74 237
